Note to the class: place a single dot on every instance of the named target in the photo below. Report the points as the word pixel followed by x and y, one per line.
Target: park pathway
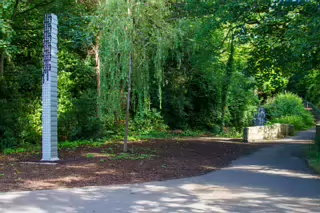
pixel 274 179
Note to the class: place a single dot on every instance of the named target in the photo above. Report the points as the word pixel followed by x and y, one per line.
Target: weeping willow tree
pixel 134 43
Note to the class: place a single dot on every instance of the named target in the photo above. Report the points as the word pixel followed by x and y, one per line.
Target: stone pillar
pixel 50 90
pixel 291 130
pixel 246 134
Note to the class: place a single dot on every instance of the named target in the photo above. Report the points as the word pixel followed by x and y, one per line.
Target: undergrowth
pixel 313 156
pixel 68 145
pixel 288 108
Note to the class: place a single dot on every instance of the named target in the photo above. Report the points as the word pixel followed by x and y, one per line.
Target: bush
pixel 288 108
pixel 79 120
pixel 298 121
pixel 20 122
pixel 148 121
pixel 284 104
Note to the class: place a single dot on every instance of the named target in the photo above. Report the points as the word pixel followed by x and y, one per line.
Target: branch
pixel 225 38
pixel 1 64
pixel 15 10
pixel 231 29
pixel 36 6
pixel 27 29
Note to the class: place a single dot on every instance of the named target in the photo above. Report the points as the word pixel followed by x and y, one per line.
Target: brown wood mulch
pixel 78 168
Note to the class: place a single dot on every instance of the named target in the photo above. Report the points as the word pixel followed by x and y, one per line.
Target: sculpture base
pixel 49 160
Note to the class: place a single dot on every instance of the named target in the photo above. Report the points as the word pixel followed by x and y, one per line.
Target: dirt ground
pixel 94 167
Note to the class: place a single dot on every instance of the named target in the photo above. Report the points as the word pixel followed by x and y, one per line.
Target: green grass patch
pixel 27 149
pixel 134 154
pixel 130 156
pixel 68 145
pixel 166 135
pixel 91 156
pixel 231 134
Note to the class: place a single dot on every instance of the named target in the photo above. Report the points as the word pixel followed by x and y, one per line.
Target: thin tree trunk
pixel 98 69
pixel 125 147
pixel 96 51
pixel 226 84
pixel 1 64
pixel 116 120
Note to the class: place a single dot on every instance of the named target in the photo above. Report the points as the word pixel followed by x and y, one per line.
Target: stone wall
pixel 261 133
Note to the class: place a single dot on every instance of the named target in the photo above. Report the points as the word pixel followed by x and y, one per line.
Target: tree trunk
pixel 116 120
pixel 226 83
pixel 96 52
pixel 125 146
pixel 1 64
pixel 98 69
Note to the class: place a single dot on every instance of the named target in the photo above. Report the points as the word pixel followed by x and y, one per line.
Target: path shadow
pixel 192 195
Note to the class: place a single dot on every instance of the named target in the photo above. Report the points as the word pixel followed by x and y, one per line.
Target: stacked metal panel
pixel 50 90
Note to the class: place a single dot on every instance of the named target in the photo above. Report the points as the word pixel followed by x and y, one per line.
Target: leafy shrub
pixel 288 108
pixel 20 122
pixel 148 122
pixel 298 121
pixel 284 104
pixel 79 120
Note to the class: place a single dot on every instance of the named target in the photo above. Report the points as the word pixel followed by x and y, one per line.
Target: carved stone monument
pixel 50 90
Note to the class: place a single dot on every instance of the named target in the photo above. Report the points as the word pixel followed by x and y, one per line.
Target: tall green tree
pixel 135 39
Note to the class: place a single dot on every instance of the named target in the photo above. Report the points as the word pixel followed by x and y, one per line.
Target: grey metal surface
pixel 50 90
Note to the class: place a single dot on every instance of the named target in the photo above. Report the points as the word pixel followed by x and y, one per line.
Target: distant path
pixel 274 179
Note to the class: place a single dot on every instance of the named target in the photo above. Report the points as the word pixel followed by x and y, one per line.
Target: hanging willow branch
pixel 135 39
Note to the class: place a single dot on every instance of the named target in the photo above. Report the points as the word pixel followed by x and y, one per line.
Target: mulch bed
pixel 174 159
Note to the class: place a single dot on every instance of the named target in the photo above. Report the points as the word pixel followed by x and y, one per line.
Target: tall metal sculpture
pixel 50 90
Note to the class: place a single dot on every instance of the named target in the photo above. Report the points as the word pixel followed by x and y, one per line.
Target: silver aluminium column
pixel 50 90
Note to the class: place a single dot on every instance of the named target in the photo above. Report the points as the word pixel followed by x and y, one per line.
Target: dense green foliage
pixel 200 65
pixel 313 157
pixel 288 108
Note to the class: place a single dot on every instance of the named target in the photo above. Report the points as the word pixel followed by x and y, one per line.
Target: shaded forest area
pixel 195 65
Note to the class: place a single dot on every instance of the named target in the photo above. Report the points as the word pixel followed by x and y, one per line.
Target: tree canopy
pixel 186 64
